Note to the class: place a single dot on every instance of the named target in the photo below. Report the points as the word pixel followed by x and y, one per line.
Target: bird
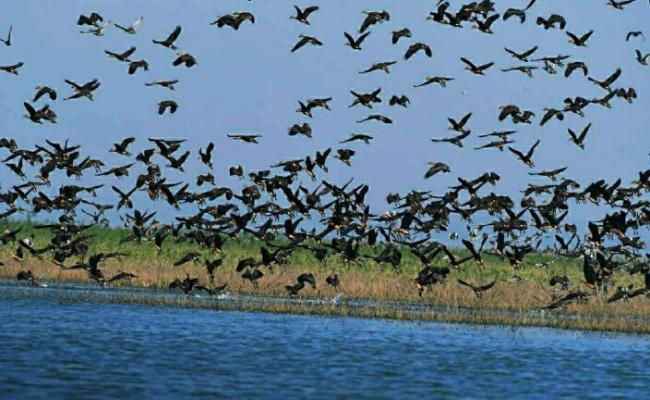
pixel 189 256
pixel 572 66
pixel 206 156
pixel 402 33
pixel 552 174
pixel 234 20
pixel 402 101
pixel 304 129
pixel 303 15
pixel 7 41
pixel 120 276
pixel 131 30
pixel 619 5
pixel 12 69
pixel 355 44
pixel 551 21
pixel 333 281
pixel 358 136
pixel 124 56
pixel 135 65
pixel 634 34
pixel 526 158
pixel 85 90
pixel 579 140
pixel 185 59
pixel 440 80
pixel 245 138
pixel 170 84
pixel 42 91
pixel 478 70
pixel 376 117
pixel 436 167
pixel 519 13
pixel 373 17
pixel 93 19
pixel 307 277
pixel 416 47
pixel 642 58
pixel 478 290
pixel 459 126
pixel 303 40
pixel 121 147
pixel 526 69
pixel 522 56
pixel 380 66
pixel 455 140
pixel 169 41
pixel 97 30
pixel 607 82
pixel 580 41
pixel 165 105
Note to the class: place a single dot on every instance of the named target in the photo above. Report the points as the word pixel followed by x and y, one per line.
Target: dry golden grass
pixel 365 280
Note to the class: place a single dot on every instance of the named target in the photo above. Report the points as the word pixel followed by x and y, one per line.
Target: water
pixel 56 349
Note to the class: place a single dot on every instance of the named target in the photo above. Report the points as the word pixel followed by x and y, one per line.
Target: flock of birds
pixel 276 204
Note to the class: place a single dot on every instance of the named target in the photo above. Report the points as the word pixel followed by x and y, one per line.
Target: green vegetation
pixel 517 292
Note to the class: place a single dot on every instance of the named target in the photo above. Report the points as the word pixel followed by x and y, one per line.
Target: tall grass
pixel 517 289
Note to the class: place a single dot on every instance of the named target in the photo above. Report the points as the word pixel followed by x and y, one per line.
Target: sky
pixel 248 81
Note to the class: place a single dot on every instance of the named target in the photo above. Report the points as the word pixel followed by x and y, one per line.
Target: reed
pixel 518 290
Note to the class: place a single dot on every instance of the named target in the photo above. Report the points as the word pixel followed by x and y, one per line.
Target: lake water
pixel 63 349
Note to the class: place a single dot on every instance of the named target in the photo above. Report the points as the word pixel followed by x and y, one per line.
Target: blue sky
pixel 247 81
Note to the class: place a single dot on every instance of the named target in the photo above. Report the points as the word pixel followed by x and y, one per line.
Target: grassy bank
pixel 518 290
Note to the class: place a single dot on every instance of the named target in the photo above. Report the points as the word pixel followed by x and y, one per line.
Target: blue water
pixel 54 349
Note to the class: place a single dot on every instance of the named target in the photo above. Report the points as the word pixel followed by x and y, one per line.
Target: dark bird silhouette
pixel 436 167
pixel 478 70
pixel 135 65
pixel 522 56
pixel 572 66
pixel 607 82
pixel 381 66
pixel 579 140
pixel 355 44
pixel 402 33
pixel 551 21
pixel 634 34
pixel 169 41
pixel 440 80
pixel 121 147
pixel 304 40
pixel 580 41
pixel 7 41
pixel 245 138
pixel 86 90
pixel 303 15
pixel 124 56
pixel 131 29
pixel 12 69
pixel 333 281
pixel 293 290
pixel 185 59
pixel 478 290
pixel 166 84
pixel 234 20
pixel 165 105
pixel 402 101
pixel 416 47
pixel 93 19
pixel 373 17
pixel 526 158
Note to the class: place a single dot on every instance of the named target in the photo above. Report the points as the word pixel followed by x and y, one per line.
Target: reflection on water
pixel 49 348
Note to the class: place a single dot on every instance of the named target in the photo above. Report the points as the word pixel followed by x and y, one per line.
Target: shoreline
pixel 345 307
